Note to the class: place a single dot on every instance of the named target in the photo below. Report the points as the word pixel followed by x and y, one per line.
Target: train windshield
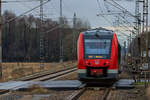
pixel 97 48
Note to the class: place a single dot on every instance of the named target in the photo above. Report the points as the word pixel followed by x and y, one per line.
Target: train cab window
pixel 97 48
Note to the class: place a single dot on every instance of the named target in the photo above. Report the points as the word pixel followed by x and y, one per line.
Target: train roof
pixel 98 31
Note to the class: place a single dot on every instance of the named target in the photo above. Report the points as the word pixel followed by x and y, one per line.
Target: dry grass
pixel 54 94
pixel 12 71
pixel 36 89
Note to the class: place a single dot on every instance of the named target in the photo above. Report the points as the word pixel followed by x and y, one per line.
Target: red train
pixel 98 52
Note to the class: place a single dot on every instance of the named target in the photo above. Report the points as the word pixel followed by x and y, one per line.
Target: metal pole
pixel 137 15
pixel 145 29
pixel 61 34
pixel 74 37
pixel 147 35
pixel 124 51
pixel 41 36
pixel 131 48
pixel 142 35
pixel 0 40
pixel 138 26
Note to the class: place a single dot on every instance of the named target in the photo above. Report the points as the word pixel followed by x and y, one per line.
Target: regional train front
pixel 98 55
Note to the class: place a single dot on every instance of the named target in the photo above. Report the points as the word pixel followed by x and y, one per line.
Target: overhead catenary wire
pixel 119 14
pixel 124 10
pixel 102 11
pixel 27 6
pixel 16 1
pixel 131 30
pixel 124 20
pixel 106 18
pixel 55 28
pixel 13 19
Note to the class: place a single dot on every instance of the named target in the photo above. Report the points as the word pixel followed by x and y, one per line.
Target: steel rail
pixel 52 76
pixel 56 75
pixel 75 95
pixel 106 93
pixel 41 74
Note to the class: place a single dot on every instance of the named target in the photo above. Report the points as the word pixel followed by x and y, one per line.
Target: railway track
pixel 81 94
pixel 106 93
pixel 44 74
pixel 56 75
pixel 44 77
pixel 75 95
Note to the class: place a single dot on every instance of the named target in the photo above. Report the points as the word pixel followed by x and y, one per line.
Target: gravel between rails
pixel 92 95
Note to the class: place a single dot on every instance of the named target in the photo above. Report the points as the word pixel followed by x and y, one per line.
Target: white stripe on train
pixel 109 71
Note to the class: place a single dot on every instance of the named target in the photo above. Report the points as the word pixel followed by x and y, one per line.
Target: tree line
pixel 21 38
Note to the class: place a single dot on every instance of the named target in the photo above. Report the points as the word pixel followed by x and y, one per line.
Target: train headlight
pixel 86 62
pixel 107 62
